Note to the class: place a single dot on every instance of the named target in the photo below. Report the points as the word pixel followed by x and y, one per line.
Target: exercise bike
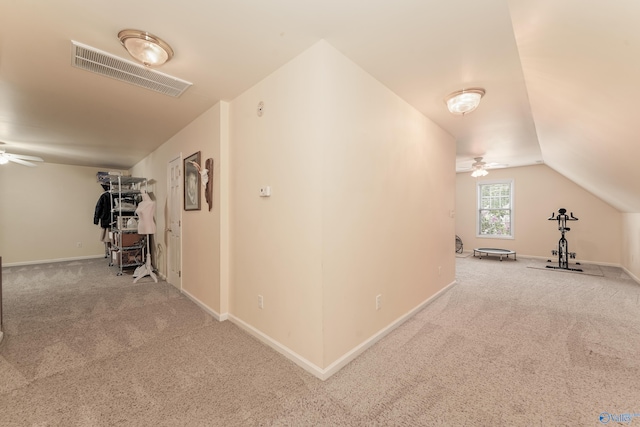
pixel 563 246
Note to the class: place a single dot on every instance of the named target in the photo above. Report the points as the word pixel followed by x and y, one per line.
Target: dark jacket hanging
pixel 103 210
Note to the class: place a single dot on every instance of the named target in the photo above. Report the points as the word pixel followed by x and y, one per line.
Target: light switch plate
pixel 265 191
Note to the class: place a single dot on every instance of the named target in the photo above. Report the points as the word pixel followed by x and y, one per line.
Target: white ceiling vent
pixel 103 63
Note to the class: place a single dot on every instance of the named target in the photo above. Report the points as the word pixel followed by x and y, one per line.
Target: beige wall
pixel 388 185
pixel 201 253
pixel 277 240
pixel 46 210
pixel 631 243
pixel 362 185
pixel 540 191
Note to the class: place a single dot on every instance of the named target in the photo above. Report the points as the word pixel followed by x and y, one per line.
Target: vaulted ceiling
pixel 561 77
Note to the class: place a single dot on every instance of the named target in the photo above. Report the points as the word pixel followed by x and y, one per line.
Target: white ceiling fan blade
pixel 478 163
pixel 22 162
pixel 23 157
pixel 495 165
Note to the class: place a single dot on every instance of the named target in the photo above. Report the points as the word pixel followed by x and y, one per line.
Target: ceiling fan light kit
pixel 478 168
pixel 479 172
pixel 464 101
pixel 145 48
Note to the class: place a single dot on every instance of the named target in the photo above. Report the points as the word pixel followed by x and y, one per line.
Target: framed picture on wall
pixel 192 182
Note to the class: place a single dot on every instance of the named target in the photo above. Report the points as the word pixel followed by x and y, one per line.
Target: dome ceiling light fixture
pixel 464 101
pixel 145 48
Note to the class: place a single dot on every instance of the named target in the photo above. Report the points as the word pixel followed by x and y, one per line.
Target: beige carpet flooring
pixel 507 346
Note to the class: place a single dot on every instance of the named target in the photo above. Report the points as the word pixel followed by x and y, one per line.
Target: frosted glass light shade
pixel 464 101
pixel 479 172
pixel 146 48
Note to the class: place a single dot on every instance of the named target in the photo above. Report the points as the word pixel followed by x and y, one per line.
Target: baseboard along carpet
pixel 506 346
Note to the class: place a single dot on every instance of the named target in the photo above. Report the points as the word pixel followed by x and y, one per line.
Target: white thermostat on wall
pixel 265 191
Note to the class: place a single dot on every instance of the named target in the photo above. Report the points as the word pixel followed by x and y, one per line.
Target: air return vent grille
pixel 99 62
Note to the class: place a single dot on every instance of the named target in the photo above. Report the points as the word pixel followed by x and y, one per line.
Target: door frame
pixel 171 278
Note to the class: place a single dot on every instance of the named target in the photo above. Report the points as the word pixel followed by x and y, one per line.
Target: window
pixel 495 209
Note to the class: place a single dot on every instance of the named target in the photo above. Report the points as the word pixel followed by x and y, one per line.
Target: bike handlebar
pixel 569 217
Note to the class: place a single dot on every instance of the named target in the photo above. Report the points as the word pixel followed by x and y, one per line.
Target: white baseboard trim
pixel 305 364
pixel 327 372
pixel 633 276
pixel 219 317
pixel 49 261
pixel 351 355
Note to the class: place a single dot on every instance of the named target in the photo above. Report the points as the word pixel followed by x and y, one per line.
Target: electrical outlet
pixel 439 270
pixel 378 301
pixel 260 301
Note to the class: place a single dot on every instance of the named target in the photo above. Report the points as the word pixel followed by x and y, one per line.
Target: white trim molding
pixel 219 317
pixel 633 276
pixel 327 372
pixel 305 364
pixel 49 261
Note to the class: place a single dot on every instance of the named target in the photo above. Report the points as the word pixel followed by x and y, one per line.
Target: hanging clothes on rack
pixel 102 216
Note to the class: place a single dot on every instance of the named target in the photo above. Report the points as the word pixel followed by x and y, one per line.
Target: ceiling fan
pixel 479 167
pixel 18 158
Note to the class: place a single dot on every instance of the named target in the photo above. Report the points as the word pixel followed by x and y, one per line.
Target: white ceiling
pixel 561 76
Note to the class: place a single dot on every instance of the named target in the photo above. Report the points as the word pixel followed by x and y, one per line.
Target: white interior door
pixel 174 240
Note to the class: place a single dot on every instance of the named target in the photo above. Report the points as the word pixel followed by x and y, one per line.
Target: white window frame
pixel 479 185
